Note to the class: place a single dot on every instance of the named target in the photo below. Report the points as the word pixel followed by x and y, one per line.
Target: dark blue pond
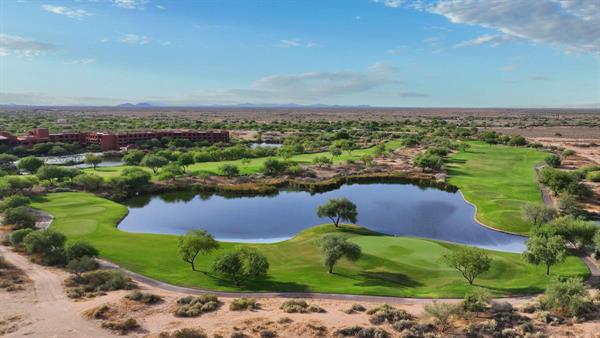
pixel 395 209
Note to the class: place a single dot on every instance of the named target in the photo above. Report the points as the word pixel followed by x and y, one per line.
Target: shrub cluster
pixel 362 332
pixel 144 297
pixel 300 306
pixel 191 306
pixel 239 304
pixel 385 312
pixel 94 282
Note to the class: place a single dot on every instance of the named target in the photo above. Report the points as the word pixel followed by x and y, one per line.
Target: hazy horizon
pixel 381 53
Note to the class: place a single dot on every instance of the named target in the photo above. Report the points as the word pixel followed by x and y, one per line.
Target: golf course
pixel 391 266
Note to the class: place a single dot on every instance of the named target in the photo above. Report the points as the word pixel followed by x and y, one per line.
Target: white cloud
pixel 573 25
pixel 165 43
pixel 287 43
pixel 389 3
pixel 306 87
pixel 492 40
pixel 131 4
pixel 104 40
pixel 134 39
pixel 11 44
pixel 73 13
pixel 161 7
pixel 508 68
pixel 82 62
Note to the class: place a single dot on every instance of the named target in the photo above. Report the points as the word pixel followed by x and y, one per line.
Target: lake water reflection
pixel 395 209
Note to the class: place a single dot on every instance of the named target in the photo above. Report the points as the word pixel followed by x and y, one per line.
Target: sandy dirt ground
pixel 43 310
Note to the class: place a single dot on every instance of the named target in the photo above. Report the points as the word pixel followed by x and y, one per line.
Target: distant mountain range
pixel 239 105
pixel 132 105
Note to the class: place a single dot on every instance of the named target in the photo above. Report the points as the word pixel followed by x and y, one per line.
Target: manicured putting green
pixel 392 266
pixel 498 180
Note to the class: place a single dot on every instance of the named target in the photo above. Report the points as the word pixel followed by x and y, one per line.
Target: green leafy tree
pixel 470 262
pixel 54 172
pixel 30 163
pixel 334 247
pixel 80 265
pixel 92 160
pixel 48 244
pixel 576 231
pixel 229 170
pixel 14 201
pixel 338 209
pixel 133 157
pixel 80 249
pixel 273 166
pixel 19 217
pixel 367 160
pixel 185 160
pixel 552 160
pixel 88 182
pixel 241 264
pixel 545 248
pixel 154 162
pixel 194 243
pixel 335 151
pixel 537 213
pixel 322 161
pixel 428 161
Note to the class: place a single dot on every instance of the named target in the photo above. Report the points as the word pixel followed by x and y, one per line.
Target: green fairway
pixel 498 180
pixel 255 164
pixel 393 266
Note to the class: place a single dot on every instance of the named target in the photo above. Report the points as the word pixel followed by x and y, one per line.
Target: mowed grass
pixel 499 180
pixel 392 266
pixel 254 165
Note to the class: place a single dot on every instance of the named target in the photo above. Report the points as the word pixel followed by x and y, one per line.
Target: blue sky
pixel 436 53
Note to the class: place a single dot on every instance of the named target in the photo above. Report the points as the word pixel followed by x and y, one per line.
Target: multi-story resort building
pixel 110 141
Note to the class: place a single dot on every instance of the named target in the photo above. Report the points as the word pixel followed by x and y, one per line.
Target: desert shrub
pixel 385 312
pixel 358 308
pixel 144 297
pixel 80 265
pixel 530 307
pixel 361 332
pixel 80 249
pixel 98 281
pixel 268 334
pixel 315 308
pixel 19 217
pixel 191 306
pixel 441 313
pixel 500 307
pixel 476 301
pixel 403 324
pixel 355 308
pixel 16 237
pixel 14 202
pixel 47 244
pixel 239 304
pixel 594 176
pixel 238 334
pixel 294 306
pixel 350 331
pixel 97 312
pixel 123 326
pixel 284 320
pixel 184 333
pixel 567 297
